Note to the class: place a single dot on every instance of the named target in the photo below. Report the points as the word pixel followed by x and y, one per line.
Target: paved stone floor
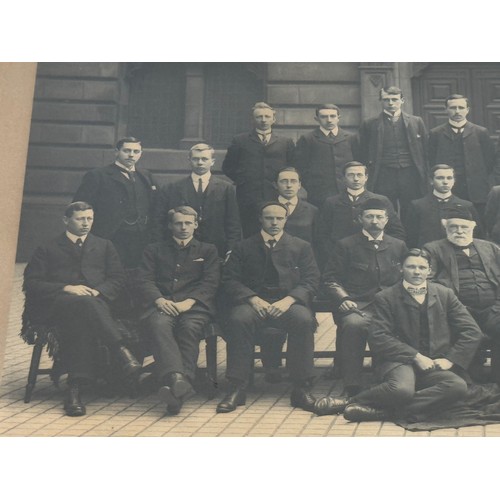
pixel 267 412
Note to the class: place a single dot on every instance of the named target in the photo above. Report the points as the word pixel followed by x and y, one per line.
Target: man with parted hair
pixel 424 218
pixel 471 268
pixel 123 197
pixel 360 266
pixel 338 218
pixel 212 197
pixel 394 147
pixel 175 288
pixel 269 280
pixel 321 153
pixel 252 161
pixel 72 282
pixel 467 148
pixel 423 340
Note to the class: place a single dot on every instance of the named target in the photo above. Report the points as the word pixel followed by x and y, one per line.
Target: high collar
pixel 73 237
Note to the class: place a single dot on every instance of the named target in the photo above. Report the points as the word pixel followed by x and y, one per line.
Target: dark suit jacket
pixel 104 188
pixel 492 214
pixel 393 338
pixel 423 220
pixel 479 156
pixel 175 274
pixel 320 161
pixel 243 273
pixel 220 222
pixel 253 167
pixel 302 222
pixel 338 218
pixel 444 262
pixel 371 135
pixel 357 271
pixel 58 263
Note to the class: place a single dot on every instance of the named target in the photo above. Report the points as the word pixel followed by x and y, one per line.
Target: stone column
pixel 193 117
pixel 17 83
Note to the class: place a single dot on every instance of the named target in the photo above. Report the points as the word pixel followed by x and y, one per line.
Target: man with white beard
pixel 471 268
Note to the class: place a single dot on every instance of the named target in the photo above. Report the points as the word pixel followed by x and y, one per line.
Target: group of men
pixel 255 253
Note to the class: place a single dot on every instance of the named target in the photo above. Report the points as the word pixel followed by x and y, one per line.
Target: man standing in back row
pixel 393 146
pixel 467 148
pixel 252 162
pixel 124 200
pixel 321 154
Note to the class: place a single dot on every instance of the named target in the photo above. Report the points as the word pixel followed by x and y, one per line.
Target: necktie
pixel 79 243
pixel 271 243
pixel 458 130
pixel 288 205
pixel 264 138
pixel 375 244
pixel 200 187
pixel 331 135
pixel 443 200
pixel 354 198
pixel 417 291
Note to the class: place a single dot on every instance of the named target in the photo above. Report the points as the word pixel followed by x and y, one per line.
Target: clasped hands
pixel 81 290
pixel 172 308
pixel 266 310
pixel 426 364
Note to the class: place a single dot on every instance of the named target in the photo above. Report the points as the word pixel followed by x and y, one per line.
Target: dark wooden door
pixel 480 82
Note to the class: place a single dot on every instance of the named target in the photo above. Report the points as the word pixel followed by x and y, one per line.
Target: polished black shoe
pixel 330 406
pixel 130 366
pixel 302 398
pixel 360 413
pixel 175 392
pixel 236 397
pixel 73 405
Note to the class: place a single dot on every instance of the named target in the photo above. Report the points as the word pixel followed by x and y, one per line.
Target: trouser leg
pixel 396 390
pixel 353 335
pixel 165 350
pixel 83 320
pixel 435 390
pixel 299 323
pixel 188 334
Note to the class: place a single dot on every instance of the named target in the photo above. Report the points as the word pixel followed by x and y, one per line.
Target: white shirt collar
pixel 266 237
pixel 395 115
pixel 406 285
pixel 380 237
pixel 74 237
pixel 184 243
pixel 266 133
pixel 205 178
pixel 131 169
pixel 355 193
pixel 327 132
pixel 441 195
pixel 293 201
pixel 457 124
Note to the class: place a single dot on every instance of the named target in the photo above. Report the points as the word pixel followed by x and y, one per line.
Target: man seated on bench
pixel 175 289
pixel 360 266
pixel 270 279
pixel 71 282
pixel 423 339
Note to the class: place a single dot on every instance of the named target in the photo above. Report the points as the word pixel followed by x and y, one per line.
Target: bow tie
pixel 443 200
pixel 417 291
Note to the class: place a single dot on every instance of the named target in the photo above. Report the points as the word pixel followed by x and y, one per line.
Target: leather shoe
pixel 360 413
pixel 130 366
pixel 177 390
pixel 330 406
pixel 236 397
pixel 73 405
pixel 302 398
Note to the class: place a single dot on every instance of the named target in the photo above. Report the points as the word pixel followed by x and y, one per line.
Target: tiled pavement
pixel 267 412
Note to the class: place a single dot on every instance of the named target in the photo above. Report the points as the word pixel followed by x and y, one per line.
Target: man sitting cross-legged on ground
pixel 71 282
pixel 423 340
pixel 176 286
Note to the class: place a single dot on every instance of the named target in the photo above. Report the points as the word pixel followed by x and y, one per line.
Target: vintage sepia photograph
pixel 285 268
pixel 257 249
